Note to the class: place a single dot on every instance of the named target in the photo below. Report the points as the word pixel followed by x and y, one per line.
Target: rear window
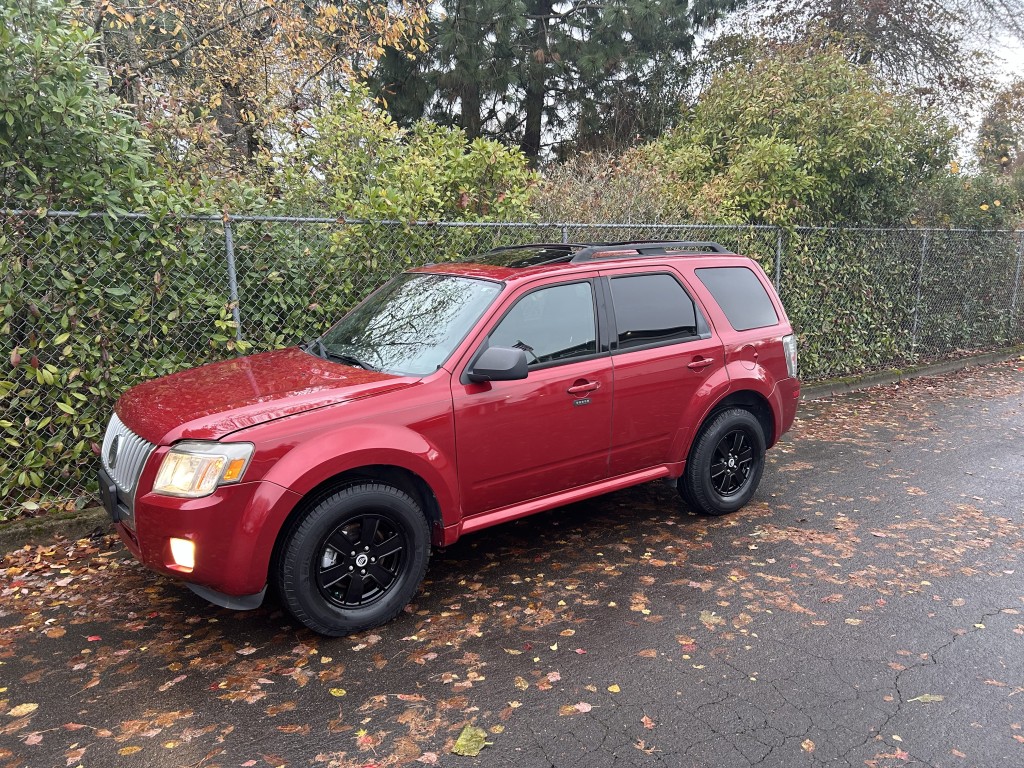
pixel 741 296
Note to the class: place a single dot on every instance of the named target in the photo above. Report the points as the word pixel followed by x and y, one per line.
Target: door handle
pixel 587 386
pixel 700 365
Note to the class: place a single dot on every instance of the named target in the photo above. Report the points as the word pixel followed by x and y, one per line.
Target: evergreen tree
pixel 538 73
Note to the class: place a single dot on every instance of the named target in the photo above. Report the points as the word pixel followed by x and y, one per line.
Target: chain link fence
pixel 93 304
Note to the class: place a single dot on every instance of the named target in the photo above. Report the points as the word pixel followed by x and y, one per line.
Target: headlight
pixel 194 468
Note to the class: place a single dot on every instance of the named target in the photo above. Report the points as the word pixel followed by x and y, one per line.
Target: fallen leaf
pixel 132 750
pixel 521 683
pixel 276 709
pixel 927 698
pixel 23 709
pixel 614 688
pixel 470 741
pixel 430 758
pixel 338 692
pixel 710 619
pixel 642 746
pixel 648 723
pixel 807 745
pixel 33 738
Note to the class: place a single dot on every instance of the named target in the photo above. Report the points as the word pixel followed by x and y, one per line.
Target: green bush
pixel 91 306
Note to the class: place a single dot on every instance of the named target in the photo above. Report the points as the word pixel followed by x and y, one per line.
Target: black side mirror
pixel 499 364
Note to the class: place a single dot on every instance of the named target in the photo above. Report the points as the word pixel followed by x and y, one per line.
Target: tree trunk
pixel 472 122
pixel 536 82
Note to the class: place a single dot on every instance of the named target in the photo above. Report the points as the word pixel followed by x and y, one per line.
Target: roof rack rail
pixel 598 251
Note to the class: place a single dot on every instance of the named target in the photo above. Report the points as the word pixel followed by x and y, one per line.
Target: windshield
pixel 410 326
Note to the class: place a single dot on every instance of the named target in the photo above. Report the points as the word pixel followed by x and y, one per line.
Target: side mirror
pixel 499 364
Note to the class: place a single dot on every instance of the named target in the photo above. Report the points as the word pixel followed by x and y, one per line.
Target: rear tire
pixel 355 560
pixel 725 463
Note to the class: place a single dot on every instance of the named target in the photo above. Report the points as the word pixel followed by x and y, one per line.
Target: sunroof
pixel 518 257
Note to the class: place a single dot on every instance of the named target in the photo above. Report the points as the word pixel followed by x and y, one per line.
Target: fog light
pixel 184 553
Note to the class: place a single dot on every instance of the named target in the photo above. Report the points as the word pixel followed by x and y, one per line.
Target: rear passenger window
pixel 651 309
pixel 741 296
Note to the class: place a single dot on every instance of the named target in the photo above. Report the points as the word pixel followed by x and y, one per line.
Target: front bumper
pixel 233 531
pixel 117 509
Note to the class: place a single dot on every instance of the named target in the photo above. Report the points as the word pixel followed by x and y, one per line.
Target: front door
pixel 521 440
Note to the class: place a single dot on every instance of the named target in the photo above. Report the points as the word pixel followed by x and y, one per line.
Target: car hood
pixel 214 400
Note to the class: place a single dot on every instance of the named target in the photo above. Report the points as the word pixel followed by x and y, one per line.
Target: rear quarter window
pixel 741 296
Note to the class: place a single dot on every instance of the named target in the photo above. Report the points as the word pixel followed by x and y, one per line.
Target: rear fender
pixel 757 380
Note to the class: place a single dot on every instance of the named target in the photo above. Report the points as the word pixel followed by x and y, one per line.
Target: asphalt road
pixel 866 610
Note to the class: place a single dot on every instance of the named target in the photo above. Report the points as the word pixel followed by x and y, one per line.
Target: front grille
pixel 129 457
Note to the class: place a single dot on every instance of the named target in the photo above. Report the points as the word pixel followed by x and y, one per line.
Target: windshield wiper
pixel 318 348
pixel 350 360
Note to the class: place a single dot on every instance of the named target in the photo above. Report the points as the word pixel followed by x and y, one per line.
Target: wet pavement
pixel 866 610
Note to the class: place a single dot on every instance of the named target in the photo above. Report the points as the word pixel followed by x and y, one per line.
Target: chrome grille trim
pixel 132 452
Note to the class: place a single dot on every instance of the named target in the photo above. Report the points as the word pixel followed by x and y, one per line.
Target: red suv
pixel 455 397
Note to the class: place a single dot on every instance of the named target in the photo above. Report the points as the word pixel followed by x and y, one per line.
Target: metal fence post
pixel 1016 284
pixel 229 245
pixel 565 233
pixel 778 260
pixel 917 301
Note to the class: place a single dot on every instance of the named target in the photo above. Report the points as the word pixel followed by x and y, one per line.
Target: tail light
pixel 789 344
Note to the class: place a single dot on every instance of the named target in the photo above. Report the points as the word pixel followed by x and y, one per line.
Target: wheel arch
pixel 749 400
pixel 401 478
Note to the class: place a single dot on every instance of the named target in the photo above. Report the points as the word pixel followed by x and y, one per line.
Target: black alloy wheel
pixel 354 560
pixel 361 560
pixel 725 463
pixel 731 463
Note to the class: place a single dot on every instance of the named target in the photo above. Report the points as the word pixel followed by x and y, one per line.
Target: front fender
pixel 312 462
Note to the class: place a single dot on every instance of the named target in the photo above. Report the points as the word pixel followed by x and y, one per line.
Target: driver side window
pixel 551 324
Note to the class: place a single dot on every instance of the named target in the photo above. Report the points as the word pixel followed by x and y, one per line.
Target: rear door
pixel 521 440
pixel 663 355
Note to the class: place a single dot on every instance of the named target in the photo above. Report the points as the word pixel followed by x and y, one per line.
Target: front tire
pixel 355 560
pixel 725 464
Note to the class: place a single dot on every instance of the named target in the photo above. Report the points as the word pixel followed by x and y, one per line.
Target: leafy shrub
pixel 794 138
pixel 63 139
